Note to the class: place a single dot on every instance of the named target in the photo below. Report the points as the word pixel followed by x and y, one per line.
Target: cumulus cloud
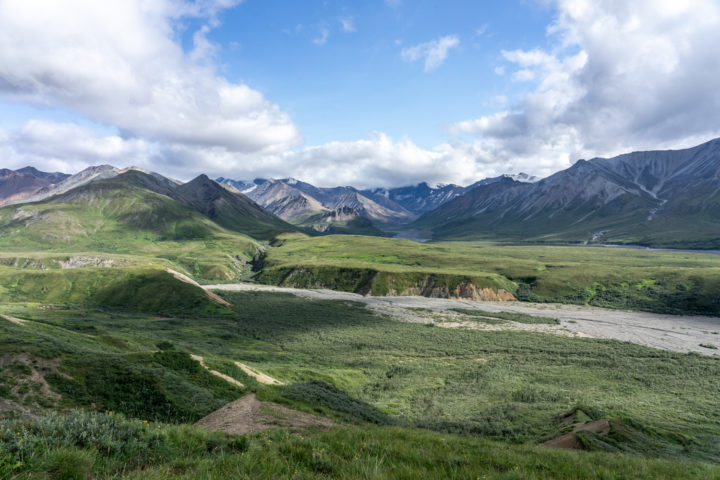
pixel 68 147
pixel 121 64
pixel 378 161
pixel 434 52
pixel 622 76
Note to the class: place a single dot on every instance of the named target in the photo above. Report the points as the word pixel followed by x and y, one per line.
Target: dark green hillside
pixel 230 210
pixel 144 289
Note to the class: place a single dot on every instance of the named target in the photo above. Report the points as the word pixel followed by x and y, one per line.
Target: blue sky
pixel 374 94
pixel 357 82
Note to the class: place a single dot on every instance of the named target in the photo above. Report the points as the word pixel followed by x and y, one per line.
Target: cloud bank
pixel 623 76
pixel 121 64
pixel 617 76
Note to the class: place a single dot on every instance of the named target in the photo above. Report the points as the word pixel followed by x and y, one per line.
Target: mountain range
pixel 665 198
pixel 660 198
pixel 335 209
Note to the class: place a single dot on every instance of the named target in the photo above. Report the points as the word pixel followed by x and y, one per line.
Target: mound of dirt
pixel 570 440
pixel 249 415
pixel 28 373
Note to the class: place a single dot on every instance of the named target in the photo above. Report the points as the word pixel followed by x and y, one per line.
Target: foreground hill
pixel 403 400
pixel 658 198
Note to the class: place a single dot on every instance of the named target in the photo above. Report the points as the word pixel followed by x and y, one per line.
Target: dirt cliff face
pixel 471 292
pixel 465 291
pixel 364 281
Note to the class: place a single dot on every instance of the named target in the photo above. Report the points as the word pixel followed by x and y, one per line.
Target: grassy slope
pixel 83 445
pixel 105 219
pixel 507 385
pixel 144 288
pixel 618 278
pixel 698 231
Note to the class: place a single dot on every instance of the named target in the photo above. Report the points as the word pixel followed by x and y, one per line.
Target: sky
pixel 379 93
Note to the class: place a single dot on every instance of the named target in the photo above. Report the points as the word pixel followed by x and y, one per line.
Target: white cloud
pixel 434 52
pixel 322 39
pixel 347 24
pixel 623 76
pixel 68 147
pixel 121 64
pixel 393 3
pixel 378 161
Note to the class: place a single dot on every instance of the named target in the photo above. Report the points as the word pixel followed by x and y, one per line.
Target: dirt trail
pixel 17 321
pixel 259 376
pixel 227 378
pixel 249 415
pixel 184 278
pixel 680 333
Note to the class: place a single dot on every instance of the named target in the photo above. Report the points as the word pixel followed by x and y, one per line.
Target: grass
pixel 145 288
pixel 342 361
pixel 668 282
pixel 82 445
pixel 512 316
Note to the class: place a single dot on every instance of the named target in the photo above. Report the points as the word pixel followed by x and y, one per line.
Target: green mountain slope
pixel 132 214
pixel 230 210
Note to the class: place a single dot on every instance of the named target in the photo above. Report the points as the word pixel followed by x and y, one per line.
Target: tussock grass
pixel 82 445
pixel 342 361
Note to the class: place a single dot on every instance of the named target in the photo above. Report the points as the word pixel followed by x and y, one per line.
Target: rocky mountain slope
pixel 660 198
pixel 422 198
pixel 18 185
pixel 305 205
